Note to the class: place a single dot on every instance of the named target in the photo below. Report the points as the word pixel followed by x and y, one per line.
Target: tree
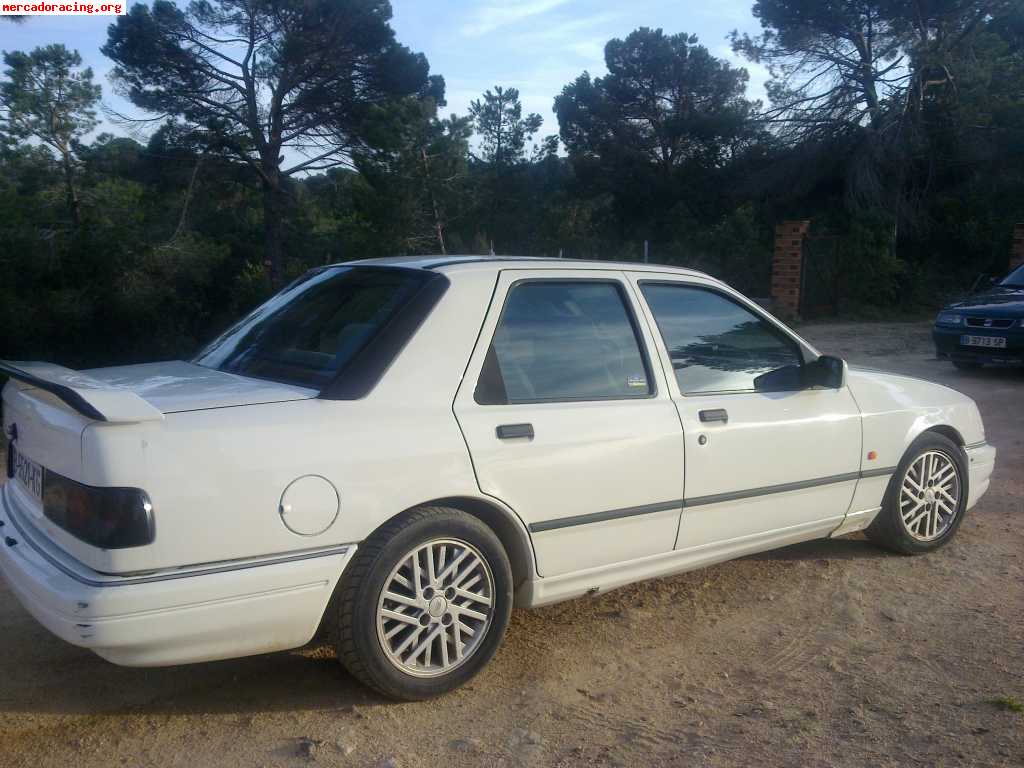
pixel 966 153
pixel 859 71
pixel 833 63
pixel 417 177
pixel 500 169
pixel 284 86
pixel 498 119
pixel 657 131
pixel 48 97
pixel 838 64
pixel 665 98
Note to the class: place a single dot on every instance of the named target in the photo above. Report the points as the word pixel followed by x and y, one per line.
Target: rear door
pixel 759 464
pixel 569 422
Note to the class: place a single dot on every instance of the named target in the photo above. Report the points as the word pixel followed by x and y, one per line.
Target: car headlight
pixel 109 518
pixel 949 318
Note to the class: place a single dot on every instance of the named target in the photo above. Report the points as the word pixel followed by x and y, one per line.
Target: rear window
pixel 310 331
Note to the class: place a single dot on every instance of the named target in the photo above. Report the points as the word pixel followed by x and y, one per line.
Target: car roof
pixel 457 263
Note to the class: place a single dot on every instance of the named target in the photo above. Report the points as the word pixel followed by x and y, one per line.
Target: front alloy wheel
pixel 424 604
pixel 925 502
pixel 930 496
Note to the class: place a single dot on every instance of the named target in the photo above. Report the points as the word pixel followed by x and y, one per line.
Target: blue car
pixel 986 328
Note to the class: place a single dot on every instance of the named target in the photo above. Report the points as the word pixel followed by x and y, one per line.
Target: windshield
pixel 1015 279
pixel 307 333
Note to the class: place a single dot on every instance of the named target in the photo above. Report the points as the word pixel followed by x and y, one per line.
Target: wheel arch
pixel 506 525
pixel 883 528
pixel 946 431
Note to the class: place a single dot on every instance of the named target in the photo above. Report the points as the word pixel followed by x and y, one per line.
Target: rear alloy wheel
pixel 424 603
pixel 924 504
pixel 436 607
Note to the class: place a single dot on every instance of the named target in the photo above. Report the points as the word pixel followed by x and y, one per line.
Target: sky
pixel 537 46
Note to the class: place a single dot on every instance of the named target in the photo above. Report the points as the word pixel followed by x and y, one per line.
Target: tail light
pixel 108 518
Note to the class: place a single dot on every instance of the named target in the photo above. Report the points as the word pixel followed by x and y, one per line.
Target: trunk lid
pixel 175 386
pixel 134 393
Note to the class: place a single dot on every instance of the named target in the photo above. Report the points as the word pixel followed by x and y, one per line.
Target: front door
pixel 569 421
pixel 763 460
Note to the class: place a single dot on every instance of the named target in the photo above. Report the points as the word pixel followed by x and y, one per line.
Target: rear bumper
pixel 981 462
pixel 171 617
pixel 948 346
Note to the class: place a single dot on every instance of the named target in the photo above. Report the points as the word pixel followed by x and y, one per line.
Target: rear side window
pixel 715 344
pixel 564 340
pixel 311 330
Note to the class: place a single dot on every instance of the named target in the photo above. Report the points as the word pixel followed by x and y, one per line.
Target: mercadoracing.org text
pixel 63 9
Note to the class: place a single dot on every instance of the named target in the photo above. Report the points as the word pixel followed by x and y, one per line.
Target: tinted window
pixel 308 332
pixel 715 344
pixel 1015 278
pixel 564 341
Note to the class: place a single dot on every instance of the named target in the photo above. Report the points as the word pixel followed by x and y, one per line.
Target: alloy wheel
pixel 435 608
pixel 930 495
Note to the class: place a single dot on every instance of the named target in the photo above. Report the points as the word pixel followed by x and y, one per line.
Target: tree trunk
pixel 273 226
pixel 74 205
pixel 438 225
pixel 183 219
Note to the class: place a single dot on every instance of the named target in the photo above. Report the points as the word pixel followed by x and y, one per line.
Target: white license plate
pixel 29 474
pixel 997 342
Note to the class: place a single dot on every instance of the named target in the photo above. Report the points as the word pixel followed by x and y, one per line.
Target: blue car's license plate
pixel 992 342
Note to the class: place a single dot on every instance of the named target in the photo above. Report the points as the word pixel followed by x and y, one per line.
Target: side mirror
pixel 826 371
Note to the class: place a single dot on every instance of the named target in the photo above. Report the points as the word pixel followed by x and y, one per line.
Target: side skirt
pixel 856 521
pixel 593 581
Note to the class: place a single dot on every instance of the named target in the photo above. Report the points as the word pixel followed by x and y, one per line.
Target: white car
pixel 432 440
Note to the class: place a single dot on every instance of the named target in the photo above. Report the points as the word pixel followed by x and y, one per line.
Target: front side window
pixel 309 332
pixel 564 340
pixel 715 344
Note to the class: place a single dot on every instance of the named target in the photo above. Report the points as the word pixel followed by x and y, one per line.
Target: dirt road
pixel 829 653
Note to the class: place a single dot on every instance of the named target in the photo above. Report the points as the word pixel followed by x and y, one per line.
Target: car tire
pixel 966 365
pixel 926 498
pixel 383 619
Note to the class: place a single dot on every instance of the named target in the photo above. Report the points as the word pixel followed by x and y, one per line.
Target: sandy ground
pixel 828 653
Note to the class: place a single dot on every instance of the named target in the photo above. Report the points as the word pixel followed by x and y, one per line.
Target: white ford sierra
pixel 432 440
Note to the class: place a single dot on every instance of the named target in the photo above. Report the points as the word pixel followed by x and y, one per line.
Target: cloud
pixel 493 16
pixel 592 50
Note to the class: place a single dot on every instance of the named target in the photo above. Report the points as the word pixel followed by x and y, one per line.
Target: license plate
pixel 997 342
pixel 29 474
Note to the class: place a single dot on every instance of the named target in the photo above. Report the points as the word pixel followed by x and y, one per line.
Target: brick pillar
pixel 1017 249
pixel 786 266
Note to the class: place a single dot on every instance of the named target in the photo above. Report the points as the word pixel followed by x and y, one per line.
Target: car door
pixel 569 424
pixel 772 461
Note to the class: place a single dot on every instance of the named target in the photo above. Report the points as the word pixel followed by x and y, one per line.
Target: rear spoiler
pixel 90 397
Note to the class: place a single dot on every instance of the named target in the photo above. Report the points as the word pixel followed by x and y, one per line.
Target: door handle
pixel 715 414
pixel 510 431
